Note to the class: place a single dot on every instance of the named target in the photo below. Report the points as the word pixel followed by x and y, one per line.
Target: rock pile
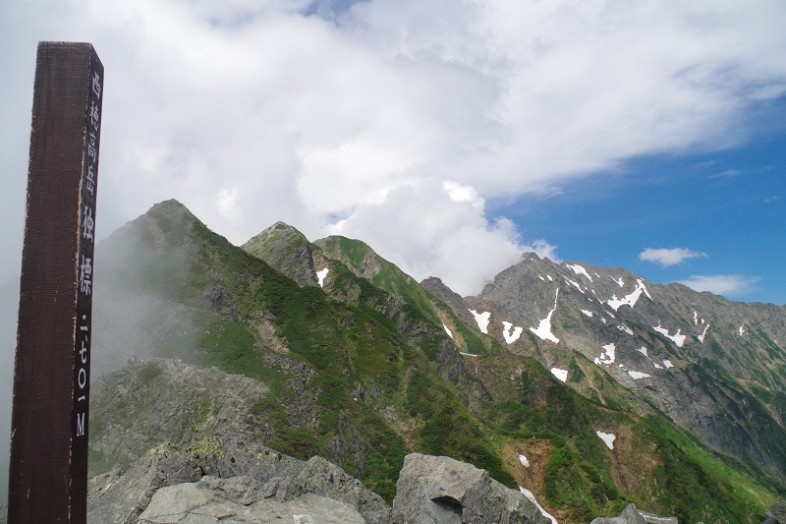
pixel 171 487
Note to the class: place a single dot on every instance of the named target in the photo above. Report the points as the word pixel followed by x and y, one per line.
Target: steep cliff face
pixel 230 353
pixel 714 367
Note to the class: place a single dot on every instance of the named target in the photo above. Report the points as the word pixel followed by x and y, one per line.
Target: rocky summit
pixel 317 380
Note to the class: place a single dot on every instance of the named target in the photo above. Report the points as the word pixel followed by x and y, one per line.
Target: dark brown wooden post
pixel 48 481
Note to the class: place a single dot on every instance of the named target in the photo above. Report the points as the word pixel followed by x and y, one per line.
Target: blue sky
pixel 450 135
pixel 727 206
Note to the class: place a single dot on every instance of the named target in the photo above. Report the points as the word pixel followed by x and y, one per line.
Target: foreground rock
pixel 244 500
pixel 271 482
pixel 170 486
pixel 441 490
pixel 632 515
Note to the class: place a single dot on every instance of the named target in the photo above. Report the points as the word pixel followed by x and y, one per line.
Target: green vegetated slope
pixel 363 372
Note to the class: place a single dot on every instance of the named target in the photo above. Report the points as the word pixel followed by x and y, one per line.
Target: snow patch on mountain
pixel 608 356
pixel 677 338
pixel 579 270
pixel 703 334
pixel 544 328
pixel 636 375
pixel 561 374
pixel 640 284
pixel 447 330
pixel 607 438
pixel 625 329
pixel 620 282
pixel 630 299
pixel 524 460
pixel 657 366
pixel 742 330
pixel 574 284
pixel 321 274
pixel 642 350
pixel 527 493
pixel 482 319
pixel 511 337
pixel 588 313
pixel 667 363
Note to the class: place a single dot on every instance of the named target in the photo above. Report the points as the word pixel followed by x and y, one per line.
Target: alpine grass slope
pixel 589 387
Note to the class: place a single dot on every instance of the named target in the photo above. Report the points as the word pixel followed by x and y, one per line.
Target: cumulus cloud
pixel 313 111
pixel 669 257
pixel 726 285
pixel 434 229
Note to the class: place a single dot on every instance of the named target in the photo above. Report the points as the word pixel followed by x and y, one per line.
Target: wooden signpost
pixel 48 474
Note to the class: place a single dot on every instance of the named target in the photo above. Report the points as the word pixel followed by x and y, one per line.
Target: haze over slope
pixel 325 348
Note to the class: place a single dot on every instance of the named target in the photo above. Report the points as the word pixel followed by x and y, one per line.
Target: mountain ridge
pixel 362 371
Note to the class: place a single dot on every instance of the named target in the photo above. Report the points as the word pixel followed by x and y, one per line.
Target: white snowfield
pixel 544 328
pixel 447 330
pixel 637 375
pixel 524 460
pixel 607 438
pixel 642 350
pixel 587 313
pixel 608 356
pixel 667 363
pixel 561 374
pixel 677 338
pixel 321 274
pixel 703 334
pixel 482 319
pixel 579 270
pixel 630 299
pixel 511 336
pixel 625 329
pixel 527 493
pixel 574 284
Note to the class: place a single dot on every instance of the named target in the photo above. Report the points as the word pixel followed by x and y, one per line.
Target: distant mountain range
pixel 589 387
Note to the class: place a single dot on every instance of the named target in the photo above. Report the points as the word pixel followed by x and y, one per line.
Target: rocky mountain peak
pixel 287 249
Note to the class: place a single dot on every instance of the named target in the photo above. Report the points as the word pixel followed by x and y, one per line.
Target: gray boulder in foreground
pixel 243 500
pixel 441 490
pixel 632 515
pixel 259 481
pixel 172 487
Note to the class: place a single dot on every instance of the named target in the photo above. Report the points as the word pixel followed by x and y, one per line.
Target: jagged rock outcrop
pixel 441 490
pixel 272 483
pixel 632 515
pixel 168 486
pixel 286 249
pixel 777 513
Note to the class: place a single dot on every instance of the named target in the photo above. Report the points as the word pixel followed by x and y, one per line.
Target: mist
pixel 129 321
pixel 9 303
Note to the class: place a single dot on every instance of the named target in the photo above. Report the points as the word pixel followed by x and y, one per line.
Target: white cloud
pixel 544 250
pixel 252 111
pixel 428 231
pixel 726 285
pixel 669 257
